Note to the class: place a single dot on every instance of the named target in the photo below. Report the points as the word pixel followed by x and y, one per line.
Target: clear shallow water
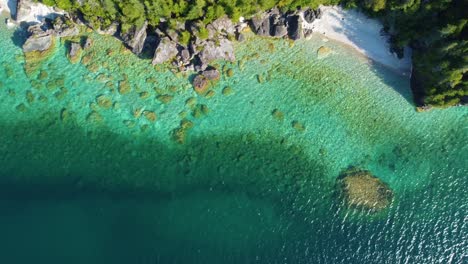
pixel 245 187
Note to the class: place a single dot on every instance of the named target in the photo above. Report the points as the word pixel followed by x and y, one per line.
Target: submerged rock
pixel 201 84
pixel 203 81
pixel 323 52
pixel 360 189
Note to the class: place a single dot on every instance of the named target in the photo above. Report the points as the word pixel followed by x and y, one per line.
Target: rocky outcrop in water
pixel 74 52
pixel 203 81
pixel 362 190
pixel 135 38
pixel 39 40
pixel 186 46
pixel 165 52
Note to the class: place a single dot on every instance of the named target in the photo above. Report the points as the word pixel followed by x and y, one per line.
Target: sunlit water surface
pixel 85 184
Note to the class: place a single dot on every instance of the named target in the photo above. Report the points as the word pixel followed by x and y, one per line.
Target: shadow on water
pixel 20 35
pixel 136 199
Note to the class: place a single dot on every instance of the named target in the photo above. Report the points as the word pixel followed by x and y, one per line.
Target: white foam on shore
pixel 360 32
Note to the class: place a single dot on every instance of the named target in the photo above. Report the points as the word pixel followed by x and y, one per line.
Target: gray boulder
pixel 166 51
pixel 212 74
pixel 88 43
pixel 74 53
pixel 212 51
pixel 39 39
pixel 222 25
pixel 280 31
pixel 135 38
pixel 260 24
pixel 75 49
pixel 309 15
pixel 38 43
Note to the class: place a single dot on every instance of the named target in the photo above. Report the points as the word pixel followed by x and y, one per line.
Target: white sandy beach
pixel 31 13
pixel 4 6
pixel 363 34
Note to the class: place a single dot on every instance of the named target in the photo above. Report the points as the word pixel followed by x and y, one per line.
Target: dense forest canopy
pixel 437 30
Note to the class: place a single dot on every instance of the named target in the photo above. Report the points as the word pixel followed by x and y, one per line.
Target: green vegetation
pixel 437 30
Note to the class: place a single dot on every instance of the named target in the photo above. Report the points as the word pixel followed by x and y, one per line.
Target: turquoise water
pixel 83 183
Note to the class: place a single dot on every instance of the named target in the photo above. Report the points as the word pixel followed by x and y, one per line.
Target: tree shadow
pixel 50 158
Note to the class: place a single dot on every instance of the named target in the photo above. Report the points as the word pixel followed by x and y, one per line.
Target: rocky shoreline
pixel 166 45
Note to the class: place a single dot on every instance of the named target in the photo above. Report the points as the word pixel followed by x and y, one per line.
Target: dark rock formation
pixel 277 24
pixel 135 38
pixel 295 31
pixel 310 15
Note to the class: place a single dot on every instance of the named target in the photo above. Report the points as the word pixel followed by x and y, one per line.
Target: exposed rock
pixel 203 81
pixel 214 51
pixel 295 30
pixel 309 15
pixel 360 189
pixel 279 26
pixel 222 25
pixel 260 24
pixel 307 32
pixel 74 52
pixel 166 51
pixel 212 74
pixel 280 31
pixel 38 43
pixel 185 56
pixel 135 38
pixel 240 37
pixel 111 30
pixel 63 26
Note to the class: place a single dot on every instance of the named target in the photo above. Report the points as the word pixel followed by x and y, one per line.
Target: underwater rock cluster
pixel 362 190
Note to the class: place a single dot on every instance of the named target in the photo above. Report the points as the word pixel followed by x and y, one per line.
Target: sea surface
pixel 88 177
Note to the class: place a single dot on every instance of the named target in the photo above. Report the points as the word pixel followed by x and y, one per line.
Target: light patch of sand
pixel 360 32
